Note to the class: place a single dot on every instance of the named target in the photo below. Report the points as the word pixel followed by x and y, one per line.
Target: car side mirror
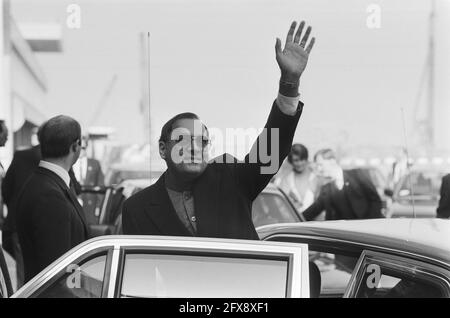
pixel 388 192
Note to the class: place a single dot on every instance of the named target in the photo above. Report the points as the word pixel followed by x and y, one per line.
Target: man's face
pixel 325 167
pixel 3 135
pixel 299 165
pixel 186 151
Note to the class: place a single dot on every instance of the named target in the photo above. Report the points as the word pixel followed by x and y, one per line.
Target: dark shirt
pixel 183 203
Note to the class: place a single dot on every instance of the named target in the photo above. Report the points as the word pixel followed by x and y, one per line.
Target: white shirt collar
pixel 339 179
pixel 59 171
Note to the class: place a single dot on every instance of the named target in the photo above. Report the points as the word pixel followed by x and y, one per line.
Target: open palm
pixel 293 58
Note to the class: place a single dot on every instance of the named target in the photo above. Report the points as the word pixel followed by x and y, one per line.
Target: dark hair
pixel 57 135
pixel 168 127
pixel 326 154
pixel 298 150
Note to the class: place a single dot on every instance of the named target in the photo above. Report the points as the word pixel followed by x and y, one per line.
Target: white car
pixel 357 258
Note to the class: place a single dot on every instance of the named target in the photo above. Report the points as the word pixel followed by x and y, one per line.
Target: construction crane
pixel 103 101
pixel 424 113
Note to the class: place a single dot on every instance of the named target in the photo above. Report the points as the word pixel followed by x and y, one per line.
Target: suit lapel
pixel 161 212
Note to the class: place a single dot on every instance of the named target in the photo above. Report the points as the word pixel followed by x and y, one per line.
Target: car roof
pixel 426 237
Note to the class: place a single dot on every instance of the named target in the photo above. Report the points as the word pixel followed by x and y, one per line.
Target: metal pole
pixel 148 94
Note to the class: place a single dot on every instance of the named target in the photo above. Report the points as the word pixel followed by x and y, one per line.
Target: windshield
pixel 270 208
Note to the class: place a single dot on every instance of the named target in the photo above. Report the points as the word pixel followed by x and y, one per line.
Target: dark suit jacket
pixel 49 220
pixel 360 192
pixel 443 210
pixel 223 194
pixel 24 163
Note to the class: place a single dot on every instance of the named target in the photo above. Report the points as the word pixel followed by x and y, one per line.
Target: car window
pixel 335 271
pixel 335 261
pixel 392 284
pixel 156 275
pixel 269 208
pixel 85 279
pixel 381 277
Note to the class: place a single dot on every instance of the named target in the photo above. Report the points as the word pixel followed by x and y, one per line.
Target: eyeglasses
pixel 200 141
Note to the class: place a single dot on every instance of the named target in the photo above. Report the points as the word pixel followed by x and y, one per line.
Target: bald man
pixel 49 219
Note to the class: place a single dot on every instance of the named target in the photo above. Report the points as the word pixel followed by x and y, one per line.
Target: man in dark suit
pixel 443 210
pixel 347 194
pixel 50 221
pixel 89 172
pixel 23 164
pixel 195 197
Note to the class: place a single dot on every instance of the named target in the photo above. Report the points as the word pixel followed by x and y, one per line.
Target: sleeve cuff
pixel 288 105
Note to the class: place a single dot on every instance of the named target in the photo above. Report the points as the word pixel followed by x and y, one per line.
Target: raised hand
pixel 293 58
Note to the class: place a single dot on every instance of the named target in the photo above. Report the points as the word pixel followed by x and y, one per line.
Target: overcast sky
pixel 216 58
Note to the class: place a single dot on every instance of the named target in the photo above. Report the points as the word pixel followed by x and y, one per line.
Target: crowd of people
pixel 196 196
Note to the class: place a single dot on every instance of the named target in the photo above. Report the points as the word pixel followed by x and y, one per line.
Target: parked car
pixel 417 193
pixel 379 258
pixel 357 258
pixel 272 205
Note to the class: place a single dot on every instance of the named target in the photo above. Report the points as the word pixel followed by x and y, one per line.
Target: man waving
pixel 198 197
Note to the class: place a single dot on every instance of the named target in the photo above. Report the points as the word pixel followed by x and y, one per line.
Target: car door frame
pixel 80 253
pixel 297 254
pixel 395 262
